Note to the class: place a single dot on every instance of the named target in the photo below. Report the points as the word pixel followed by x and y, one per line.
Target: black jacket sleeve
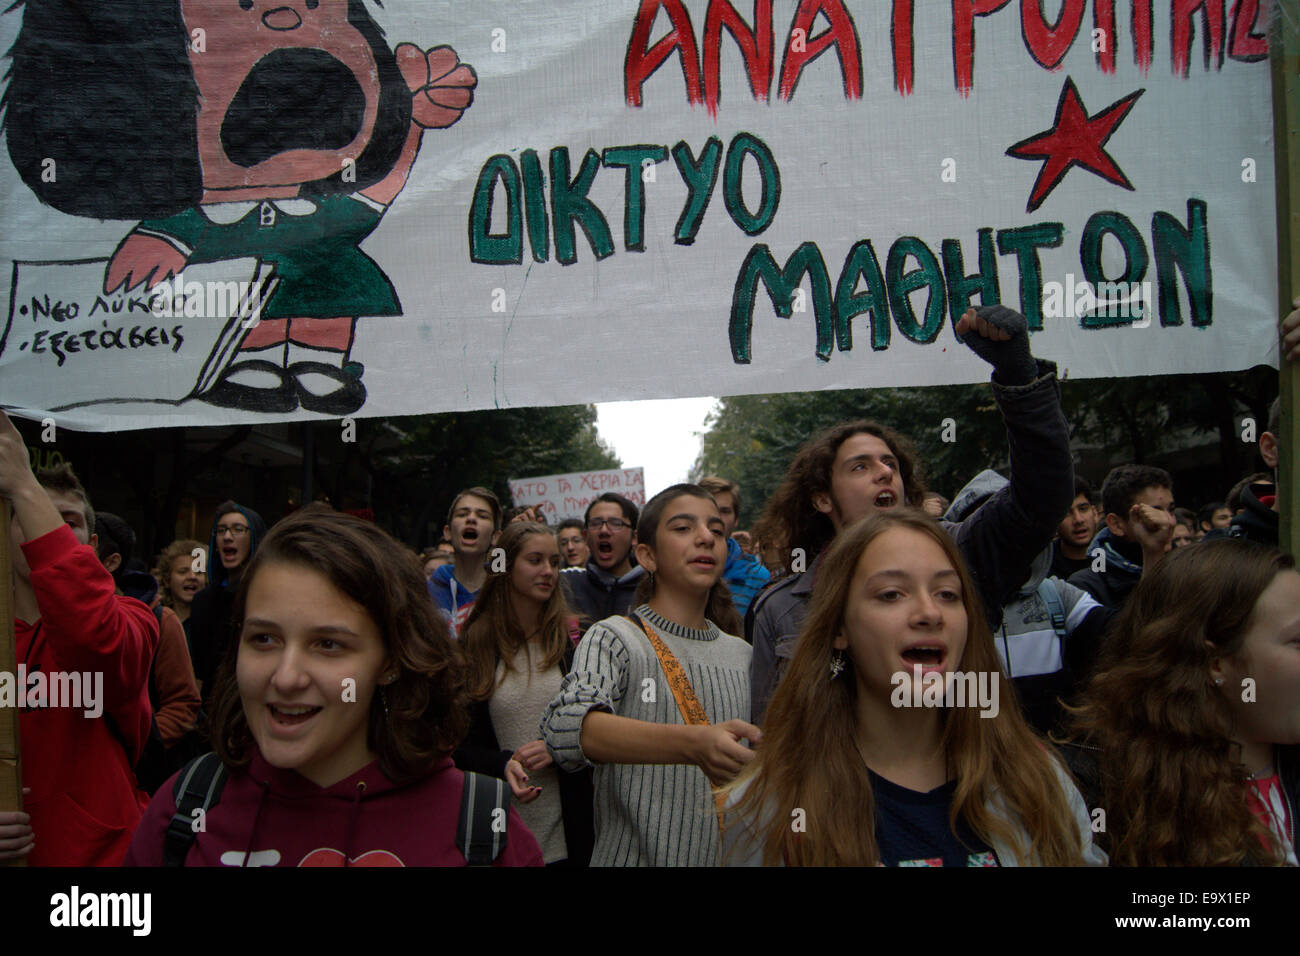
pixel 480 752
pixel 1002 538
pixel 1084 645
pixel 211 634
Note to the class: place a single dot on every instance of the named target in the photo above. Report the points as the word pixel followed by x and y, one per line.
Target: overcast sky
pixel 662 436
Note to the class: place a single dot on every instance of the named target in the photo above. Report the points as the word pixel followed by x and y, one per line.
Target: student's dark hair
pixel 217 573
pixel 1082 486
pixel 1206 514
pixel 630 514
pixel 106 91
pixel 492 634
pixel 719 609
pixel 115 537
pixel 1126 482
pixel 478 491
pixel 1171 778
pixel 427 704
pixel 789 519
pixel 61 479
pixel 720 486
pixel 1275 417
pixel 246 513
pixel 1233 502
pixel 569 523
pixel 1187 518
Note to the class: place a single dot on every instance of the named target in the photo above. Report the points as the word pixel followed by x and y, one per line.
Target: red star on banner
pixel 1076 139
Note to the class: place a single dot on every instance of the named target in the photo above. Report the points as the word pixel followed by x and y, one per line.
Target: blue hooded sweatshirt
pixel 454 600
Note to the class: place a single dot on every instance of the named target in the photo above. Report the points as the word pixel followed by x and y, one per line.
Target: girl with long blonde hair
pixel 519 640
pixel 853 772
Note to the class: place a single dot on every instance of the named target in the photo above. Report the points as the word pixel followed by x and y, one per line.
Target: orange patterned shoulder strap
pixel 691 709
pixel 688 704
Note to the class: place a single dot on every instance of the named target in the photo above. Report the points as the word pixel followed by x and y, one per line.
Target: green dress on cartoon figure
pixel 313 244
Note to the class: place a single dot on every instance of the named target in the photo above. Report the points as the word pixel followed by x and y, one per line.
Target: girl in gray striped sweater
pixel 621 707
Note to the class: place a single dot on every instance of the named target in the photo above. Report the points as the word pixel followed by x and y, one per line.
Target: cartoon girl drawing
pixel 281 129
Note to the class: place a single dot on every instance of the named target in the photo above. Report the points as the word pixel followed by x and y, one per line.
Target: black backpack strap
pixel 198 787
pixel 481 833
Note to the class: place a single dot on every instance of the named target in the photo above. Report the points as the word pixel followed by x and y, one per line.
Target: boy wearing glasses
pixel 236 533
pixel 607 585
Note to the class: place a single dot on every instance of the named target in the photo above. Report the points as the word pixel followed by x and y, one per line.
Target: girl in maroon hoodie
pixel 335 714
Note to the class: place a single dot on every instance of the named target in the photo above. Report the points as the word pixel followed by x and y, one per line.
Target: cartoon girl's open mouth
pixel 293 99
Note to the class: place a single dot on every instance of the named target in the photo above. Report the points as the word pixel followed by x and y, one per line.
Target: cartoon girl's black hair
pixel 101 106
pixel 392 122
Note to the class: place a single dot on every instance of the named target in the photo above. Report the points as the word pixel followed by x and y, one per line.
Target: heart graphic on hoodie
pixel 328 857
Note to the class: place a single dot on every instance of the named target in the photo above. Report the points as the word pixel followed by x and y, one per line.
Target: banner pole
pixel 11 777
pixel 1284 56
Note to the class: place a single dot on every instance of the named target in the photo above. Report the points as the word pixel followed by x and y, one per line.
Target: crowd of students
pixel 873 675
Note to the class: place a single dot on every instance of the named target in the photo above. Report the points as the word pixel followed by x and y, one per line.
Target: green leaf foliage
pixel 1156 419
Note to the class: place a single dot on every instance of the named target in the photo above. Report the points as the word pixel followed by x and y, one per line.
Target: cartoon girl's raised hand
pixel 442 85
pixel 142 259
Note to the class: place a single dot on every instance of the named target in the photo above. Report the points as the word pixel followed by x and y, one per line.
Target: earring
pixel 383 700
pixel 837 664
pixel 1218 682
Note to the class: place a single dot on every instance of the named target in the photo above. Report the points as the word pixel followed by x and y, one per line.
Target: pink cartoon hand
pixel 142 259
pixel 443 87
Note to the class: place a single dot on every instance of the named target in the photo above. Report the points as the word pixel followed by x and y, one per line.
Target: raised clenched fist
pixel 442 86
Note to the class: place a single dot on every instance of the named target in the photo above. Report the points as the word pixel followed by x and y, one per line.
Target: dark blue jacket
pixel 1113 585
pixel 595 594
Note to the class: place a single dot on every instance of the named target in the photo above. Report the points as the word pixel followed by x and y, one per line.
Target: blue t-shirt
pixel 912 828
pixel 453 598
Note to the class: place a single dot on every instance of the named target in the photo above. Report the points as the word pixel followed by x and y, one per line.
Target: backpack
pixel 1051 598
pixel 199 786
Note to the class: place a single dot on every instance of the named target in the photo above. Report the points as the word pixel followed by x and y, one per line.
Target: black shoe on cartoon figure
pixel 282 396
pixel 349 396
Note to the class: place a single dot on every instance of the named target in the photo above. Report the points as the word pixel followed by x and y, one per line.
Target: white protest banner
pixel 531 203
pixel 189 327
pixel 567 496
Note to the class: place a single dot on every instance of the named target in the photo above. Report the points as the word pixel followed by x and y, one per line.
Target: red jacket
pixel 272 817
pixel 173 682
pixel 84 802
